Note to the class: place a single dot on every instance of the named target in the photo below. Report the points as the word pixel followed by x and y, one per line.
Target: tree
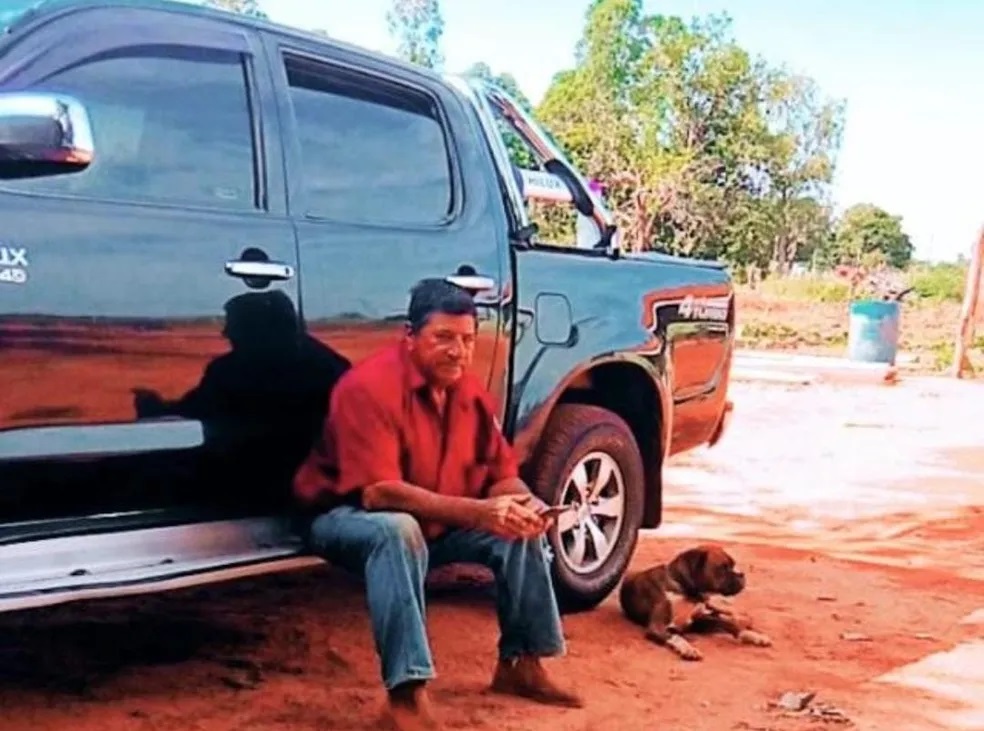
pixel 805 137
pixel 244 7
pixel 520 154
pixel 597 113
pixel 418 26
pixel 711 92
pixel 867 232
pixel 506 82
pixel 706 150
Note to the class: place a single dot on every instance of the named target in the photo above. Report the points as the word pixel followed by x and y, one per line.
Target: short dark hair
pixel 430 296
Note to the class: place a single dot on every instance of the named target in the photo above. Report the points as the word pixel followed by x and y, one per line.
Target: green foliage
pixel 940 282
pixel 942 352
pixel 706 150
pixel 418 27
pixel 766 335
pixel 506 82
pixel 809 290
pixel 521 155
pixel 868 234
pixel 244 7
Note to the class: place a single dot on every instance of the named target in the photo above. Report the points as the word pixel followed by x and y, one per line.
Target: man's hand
pixel 513 517
pixel 516 487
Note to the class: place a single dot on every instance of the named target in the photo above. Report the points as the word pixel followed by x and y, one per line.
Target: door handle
pixel 474 283
pixel 270 270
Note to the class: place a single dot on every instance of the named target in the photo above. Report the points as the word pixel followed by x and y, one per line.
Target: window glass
pixel 371 151
pixel 170 126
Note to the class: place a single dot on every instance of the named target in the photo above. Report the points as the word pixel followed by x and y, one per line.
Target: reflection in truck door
pixel 383 203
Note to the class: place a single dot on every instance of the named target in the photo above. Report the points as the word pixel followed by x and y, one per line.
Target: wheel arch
pixel 630 386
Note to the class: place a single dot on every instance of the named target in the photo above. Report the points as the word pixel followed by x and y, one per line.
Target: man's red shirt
pixel 383 425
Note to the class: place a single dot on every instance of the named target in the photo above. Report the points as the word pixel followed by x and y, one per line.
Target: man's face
pixel 443 348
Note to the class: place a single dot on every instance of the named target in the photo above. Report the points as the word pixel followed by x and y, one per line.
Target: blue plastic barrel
pixel 873 332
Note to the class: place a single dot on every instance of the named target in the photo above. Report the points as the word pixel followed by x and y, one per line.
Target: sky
pixel 909 71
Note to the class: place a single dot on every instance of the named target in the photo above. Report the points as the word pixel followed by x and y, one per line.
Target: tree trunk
pixel 968 312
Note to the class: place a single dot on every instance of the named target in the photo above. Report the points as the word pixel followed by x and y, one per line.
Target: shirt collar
pixel 413 379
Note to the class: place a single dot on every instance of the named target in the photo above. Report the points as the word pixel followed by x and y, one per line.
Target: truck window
pixel 558 222
pixel 371 151
pixel 159 138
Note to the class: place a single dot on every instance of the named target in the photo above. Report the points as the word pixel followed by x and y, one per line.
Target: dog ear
pixel 687 570
pixel 698 560
pixel 716 553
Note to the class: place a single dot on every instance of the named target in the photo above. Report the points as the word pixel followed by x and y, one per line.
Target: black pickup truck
pixel 206 218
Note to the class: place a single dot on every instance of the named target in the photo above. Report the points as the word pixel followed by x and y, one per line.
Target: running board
pixel 58 570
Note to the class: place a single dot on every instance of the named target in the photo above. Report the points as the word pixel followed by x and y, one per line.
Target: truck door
pixel 389 183
pixel 146 355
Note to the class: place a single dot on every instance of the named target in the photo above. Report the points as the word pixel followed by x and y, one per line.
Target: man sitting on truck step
pixel 411 472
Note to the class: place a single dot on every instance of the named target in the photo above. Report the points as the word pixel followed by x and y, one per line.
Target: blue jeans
pixel 390 551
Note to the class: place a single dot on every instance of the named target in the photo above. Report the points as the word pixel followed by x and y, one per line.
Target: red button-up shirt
pixel 383 425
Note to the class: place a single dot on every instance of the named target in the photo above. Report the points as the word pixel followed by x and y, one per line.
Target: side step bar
pixel 58 570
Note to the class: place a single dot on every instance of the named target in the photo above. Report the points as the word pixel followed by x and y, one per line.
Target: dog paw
pixel 756 639
pixel 691 654
pixel 684 649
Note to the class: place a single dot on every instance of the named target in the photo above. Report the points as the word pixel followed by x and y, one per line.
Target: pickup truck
pixel 206 218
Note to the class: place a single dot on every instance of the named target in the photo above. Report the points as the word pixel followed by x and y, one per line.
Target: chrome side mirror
pixel 43 134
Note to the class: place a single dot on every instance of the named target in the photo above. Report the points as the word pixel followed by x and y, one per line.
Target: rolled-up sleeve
pixel 365 438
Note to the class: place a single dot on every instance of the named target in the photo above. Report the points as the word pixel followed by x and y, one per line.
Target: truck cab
pixel 186 269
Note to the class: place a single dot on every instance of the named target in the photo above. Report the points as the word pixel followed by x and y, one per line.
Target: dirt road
pixel 857 512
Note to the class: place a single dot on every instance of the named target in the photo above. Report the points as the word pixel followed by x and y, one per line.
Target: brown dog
pixel 670 599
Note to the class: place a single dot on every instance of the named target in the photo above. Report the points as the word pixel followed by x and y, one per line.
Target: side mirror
pixel 43 134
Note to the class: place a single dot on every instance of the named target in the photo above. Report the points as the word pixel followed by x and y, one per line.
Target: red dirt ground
pixel 293 652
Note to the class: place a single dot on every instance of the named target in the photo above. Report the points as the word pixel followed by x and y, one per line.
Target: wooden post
pixel 969 311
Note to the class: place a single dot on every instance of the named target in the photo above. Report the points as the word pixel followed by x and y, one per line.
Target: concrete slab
pixel 753 365
pixel 943 691
pixel 741 374
pixel 871 474
pixel 801 360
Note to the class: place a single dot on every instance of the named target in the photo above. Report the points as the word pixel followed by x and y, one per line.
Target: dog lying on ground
pixel 686 595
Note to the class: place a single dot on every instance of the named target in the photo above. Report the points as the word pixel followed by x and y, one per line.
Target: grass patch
pixel 795 323
pixel 931 284
pixel 940 283
pixel 806 290
pixel 758 334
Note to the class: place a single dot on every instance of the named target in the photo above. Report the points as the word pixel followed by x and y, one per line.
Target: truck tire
pixel 592 545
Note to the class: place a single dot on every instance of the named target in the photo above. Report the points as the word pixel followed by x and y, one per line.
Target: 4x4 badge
pixel 13 265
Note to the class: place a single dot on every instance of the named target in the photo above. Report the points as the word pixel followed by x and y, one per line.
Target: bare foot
pixel 525 677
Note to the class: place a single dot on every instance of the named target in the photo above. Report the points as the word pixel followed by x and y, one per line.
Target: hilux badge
pixel 13 265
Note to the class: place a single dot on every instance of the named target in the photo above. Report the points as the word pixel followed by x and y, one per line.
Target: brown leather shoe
pixel 526 678
pixel 408 708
